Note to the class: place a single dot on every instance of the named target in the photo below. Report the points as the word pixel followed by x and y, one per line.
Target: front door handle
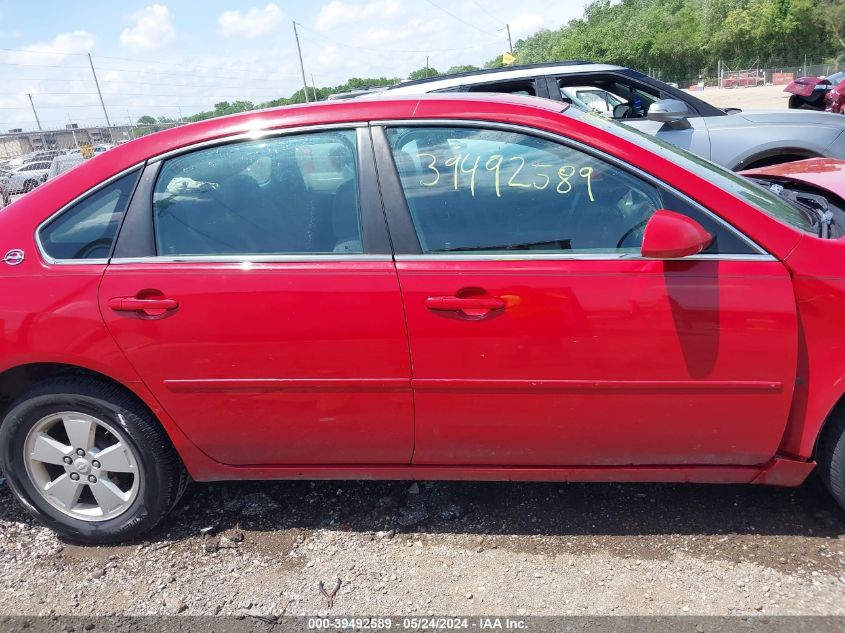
pixel 152 306
pixel 453 303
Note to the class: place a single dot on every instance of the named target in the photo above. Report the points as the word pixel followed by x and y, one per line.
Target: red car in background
pixel 743 79
pixel 818 93
pixel 834 100
pixel 441 287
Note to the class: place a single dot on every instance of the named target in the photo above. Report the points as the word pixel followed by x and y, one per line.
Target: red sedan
pixel 426 288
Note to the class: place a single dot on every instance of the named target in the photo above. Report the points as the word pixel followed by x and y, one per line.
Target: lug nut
pixel 67 460
pixel 80 452
pixel 95 464
pixel 74 476
pixel 92 479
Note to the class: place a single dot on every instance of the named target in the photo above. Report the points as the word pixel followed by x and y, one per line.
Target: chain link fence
pixel 749 75
pixel 776 76
pixel 29 158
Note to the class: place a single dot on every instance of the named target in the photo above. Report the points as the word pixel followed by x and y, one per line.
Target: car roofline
pixel 472 79
pixel 503 69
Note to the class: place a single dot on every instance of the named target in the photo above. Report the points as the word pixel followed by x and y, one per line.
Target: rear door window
pixel 285 195
pixel 520 87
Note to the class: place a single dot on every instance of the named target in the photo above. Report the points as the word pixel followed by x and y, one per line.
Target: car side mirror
pixel 669 235
pixel 668 111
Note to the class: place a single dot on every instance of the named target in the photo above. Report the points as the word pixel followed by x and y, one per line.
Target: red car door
pixel 264 318
pixel 540 336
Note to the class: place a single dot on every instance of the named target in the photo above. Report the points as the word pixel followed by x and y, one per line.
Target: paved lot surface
pixel 761 97
pixel 449 549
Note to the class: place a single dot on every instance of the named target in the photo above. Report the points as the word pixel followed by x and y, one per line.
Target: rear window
pixel 87 230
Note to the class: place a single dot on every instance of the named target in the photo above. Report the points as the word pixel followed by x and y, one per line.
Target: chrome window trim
pixel 257 135
pixel 280 258
pixel 252 259
pixel 551 136
pixel 564 256
pixel 90 192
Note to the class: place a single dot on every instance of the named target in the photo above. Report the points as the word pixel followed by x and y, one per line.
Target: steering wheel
pixel 90 247
pixel 631 231
pixel 622 111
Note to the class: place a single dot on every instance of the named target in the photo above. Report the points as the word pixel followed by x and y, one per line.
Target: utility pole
pixel 301 65
pixel 37 120
pixel 97 83
pixel 510 43
pixel 426 66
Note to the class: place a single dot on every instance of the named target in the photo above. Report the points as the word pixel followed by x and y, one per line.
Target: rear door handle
pixel 135 304
pixel 453 303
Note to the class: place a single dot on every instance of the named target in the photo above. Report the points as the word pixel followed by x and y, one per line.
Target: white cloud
pixel 56 50
pixel 527 23
pixel 329 55
pixel 152 26
pixel 254 23
pixel 337 13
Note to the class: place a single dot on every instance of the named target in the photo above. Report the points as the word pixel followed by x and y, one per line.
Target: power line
pixel 142 94
pixel 480 30
pixel 126 59
pixel 181 63
pixel 384 50
pixel 19 65
pixel 126 81
pixel 485 11
pixel 115 105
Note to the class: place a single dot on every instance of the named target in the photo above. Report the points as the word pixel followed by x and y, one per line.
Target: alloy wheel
pixel 82 466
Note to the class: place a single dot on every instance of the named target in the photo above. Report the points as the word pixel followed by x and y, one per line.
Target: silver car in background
pixel 64 163
pixel 25 178
pixel 734 138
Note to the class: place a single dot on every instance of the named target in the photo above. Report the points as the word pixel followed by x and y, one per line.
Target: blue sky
pixel 177 56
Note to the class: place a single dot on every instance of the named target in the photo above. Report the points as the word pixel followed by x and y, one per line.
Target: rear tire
pixel 831 456
pixel 50 442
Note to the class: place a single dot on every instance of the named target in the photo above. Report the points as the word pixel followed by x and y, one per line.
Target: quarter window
pixel 484 190
pixel 294 194
pixel 88 229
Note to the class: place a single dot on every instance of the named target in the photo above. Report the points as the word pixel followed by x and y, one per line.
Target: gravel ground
pixel 261 548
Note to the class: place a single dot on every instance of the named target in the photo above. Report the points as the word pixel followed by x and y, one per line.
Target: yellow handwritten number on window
pixel 433 167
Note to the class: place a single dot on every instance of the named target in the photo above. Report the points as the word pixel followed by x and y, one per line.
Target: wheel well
pixel 836 411
pixel 775 157
pixel 15 381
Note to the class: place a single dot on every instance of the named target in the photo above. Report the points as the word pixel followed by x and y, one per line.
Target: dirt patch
pixel 751 98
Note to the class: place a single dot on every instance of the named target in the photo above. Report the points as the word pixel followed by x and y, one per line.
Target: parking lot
pixel 261 548
pixel 759 97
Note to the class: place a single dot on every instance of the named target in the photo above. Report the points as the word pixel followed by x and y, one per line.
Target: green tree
pixel 833 13
pixel 464 68
pixel 423 73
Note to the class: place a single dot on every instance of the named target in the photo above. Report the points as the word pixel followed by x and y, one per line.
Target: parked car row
pixel 734 138
pixel 541 291
pixel 818 93
pixel 23 174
